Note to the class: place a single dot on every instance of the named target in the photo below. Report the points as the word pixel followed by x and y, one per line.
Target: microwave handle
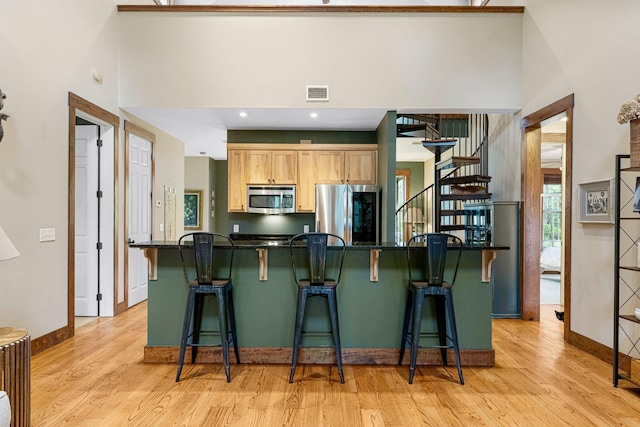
pixel 281 201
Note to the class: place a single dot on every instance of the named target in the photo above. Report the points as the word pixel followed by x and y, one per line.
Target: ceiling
pixel 551 152
pixel 204 130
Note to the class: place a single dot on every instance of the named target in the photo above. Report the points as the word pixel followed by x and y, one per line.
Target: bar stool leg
pixel 333 312
pixel 405 324
pixel 454 334
pixel 197 324
pixel 418 303
pixel 441 319
pixel 232 324
pixel 221 295
pixel 302 299
pixel 185 331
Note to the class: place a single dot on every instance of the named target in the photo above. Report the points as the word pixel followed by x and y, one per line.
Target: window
pixel 552 216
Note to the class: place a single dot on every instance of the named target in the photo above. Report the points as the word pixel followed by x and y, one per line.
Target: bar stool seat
pixel 314 263
pixel 433 258
pixel 212 277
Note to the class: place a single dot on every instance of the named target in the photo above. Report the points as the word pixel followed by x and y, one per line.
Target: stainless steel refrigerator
pixel 349 211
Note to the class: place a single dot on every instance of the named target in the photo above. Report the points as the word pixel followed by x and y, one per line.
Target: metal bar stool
pixel 212 277
pixel 314 266
pixel 432 249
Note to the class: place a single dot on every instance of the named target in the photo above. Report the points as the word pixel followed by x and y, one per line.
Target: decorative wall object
pixel 596 200
pixel 169 213
pixel 3 96
pixel 7 250
pixel 193 209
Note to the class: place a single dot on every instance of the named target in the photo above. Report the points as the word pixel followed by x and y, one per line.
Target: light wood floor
pixel 98 379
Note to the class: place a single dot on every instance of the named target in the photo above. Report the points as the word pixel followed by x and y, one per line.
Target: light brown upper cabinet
pixel 360 167
pixel 271 167
pixel 346 167
pixel 236 180
pixel 329 167
pixel 306 188
pixel 303 165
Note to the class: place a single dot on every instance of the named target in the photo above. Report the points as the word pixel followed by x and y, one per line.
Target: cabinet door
pixel 258 167
pixel 284 167
pixel 360 167
pixel 329 167
pixel 306 188
pixel 236 181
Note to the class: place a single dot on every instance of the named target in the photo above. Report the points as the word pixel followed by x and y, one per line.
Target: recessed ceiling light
pixel 243 114
pixel 313 115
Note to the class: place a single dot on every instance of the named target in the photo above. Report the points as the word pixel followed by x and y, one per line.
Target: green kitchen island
pixel 371 300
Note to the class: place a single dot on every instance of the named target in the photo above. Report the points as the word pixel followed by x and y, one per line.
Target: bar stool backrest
pixel 208 263
pixel 433 260
pixel 316 260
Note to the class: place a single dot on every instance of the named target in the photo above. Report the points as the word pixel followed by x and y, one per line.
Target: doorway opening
pixel 543 225
pixel 92 228
pixel 553 140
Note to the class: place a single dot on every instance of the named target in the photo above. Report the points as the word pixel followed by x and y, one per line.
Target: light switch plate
pixel 306 228
pixel 47 234
pixel 236 228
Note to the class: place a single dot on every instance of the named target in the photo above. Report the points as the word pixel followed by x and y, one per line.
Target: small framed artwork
pixel 596 201
pixel 636 196
pixel 193 209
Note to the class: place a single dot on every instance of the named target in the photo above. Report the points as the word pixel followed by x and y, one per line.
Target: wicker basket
pixel 635 143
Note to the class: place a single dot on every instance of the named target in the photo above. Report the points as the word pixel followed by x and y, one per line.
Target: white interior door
pixel 139 216
pixel 86 216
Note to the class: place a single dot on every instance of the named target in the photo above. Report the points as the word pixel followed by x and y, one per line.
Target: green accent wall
pixel 386 137
pixel 370 313
pixel 295 136
pixel 212 186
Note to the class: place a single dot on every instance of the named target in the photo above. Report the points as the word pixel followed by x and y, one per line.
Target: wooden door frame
pixel 76 104
pixel 531 230
pixel 132 128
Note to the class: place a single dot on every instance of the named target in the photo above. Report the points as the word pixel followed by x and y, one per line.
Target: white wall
pixel 48 49
pixel 505 168
pixel 392 61
pixel 589 48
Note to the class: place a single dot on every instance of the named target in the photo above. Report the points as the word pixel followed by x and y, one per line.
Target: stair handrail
pixel 429 198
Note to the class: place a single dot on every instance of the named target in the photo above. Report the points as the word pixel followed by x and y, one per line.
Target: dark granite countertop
pixel 281 243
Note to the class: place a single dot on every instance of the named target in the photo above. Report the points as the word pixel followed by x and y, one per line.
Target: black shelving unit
pixel 626 331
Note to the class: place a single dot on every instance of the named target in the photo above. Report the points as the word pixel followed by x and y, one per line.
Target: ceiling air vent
pixel 317 93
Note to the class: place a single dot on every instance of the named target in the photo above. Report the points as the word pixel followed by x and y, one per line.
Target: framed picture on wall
pixel 596 201
pixel 636 196
pixel 193 209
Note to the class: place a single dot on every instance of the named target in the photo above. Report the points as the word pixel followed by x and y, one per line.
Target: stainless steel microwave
pixel 271 199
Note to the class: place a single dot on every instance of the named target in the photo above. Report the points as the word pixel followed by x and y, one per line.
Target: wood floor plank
pixel 98 379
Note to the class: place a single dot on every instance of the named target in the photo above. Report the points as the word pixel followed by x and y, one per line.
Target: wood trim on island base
pixel 350 356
